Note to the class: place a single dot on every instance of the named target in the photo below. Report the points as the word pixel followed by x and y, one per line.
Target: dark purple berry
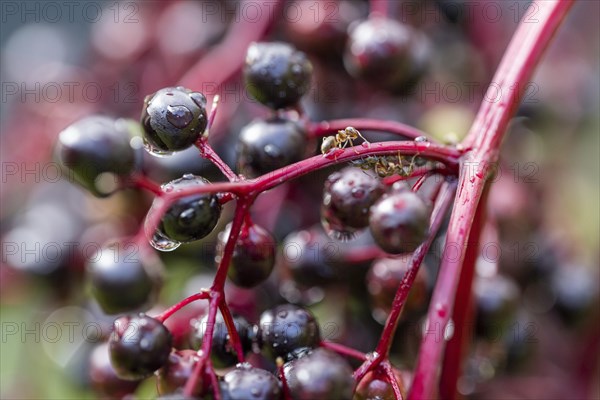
pixel 496 301
pixel 383 279
pixel 310 256
pixel 386 53
pixel 266 145
pixel 121 280
pixel 139 345
pixel 222 352
pixel 253 256
pixel 320 375
pixel 173 119
pixel 173 376
pixel 276 74
pixel 103 377
pixel 399 221
pixel 286 328
pixel 192 217
pixel 347 196
pixel 98 151
pixel 246 382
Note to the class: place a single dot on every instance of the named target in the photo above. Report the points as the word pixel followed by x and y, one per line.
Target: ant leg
pixel 363 138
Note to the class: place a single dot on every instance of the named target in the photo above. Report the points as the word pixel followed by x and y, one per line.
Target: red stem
pixel 206 151
pixel 324 128
pixel 463 309
pixel 343 350
pixel 484 140
pixel 172 310
pixel 442 205
pixel 228 57
pixel 389 372
pixel 143 182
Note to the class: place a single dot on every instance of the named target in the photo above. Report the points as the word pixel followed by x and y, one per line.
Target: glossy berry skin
pixel 399 221
pixel 286 328
pixel 310 256
pixel 97 147
pixel 266 145
pixel 192 217
pixel 386 53
pixel 173 119
pixel 178 369
pixel 120 280
pixel 320 375
pixel 139 345
pixel 222 352
pixel 383 279
pixel 103 377
pixel 253 256
pixel 347 196
pixel 276 74
pixel 245 382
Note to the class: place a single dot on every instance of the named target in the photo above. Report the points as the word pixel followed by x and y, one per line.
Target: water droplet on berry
pixel 163 243
pixel 282 314
pixel 342 236
pixel 179 116
pixel 199 99
pixel 155 151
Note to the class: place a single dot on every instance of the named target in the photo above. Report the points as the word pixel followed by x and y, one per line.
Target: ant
pixel 341 139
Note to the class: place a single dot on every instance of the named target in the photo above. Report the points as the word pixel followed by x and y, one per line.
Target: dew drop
pixel 155 151
pixel 162 243
pixel 441 310
pixel 421 139
pixel 179 116
pixel 449 330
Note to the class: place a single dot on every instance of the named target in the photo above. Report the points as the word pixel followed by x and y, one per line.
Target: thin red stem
pixel 484 139
pixel 343 350
pixel 391 376
pixel 225 60
pixel 143 182
pixel 442 205
pixel 206 151
pixel 233 333
pixel 172 310
pixel 324 128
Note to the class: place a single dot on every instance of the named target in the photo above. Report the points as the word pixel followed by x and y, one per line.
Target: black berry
pixel 276 74
pixel 222 352
pixel 386 53
pixel 176 372
pixel 320 375
pixel 399 221
pixel 139 345
pixel 286 328
pixel 103 377
pixel 246 382
pixel 266 145
pixel 347 196
pixel 253 256
pixel 173 119
pixel 192 217
pixel 120 280
pixel 98 151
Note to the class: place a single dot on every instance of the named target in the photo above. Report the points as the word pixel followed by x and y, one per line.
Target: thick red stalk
pixel 484 140
pixel 462 315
